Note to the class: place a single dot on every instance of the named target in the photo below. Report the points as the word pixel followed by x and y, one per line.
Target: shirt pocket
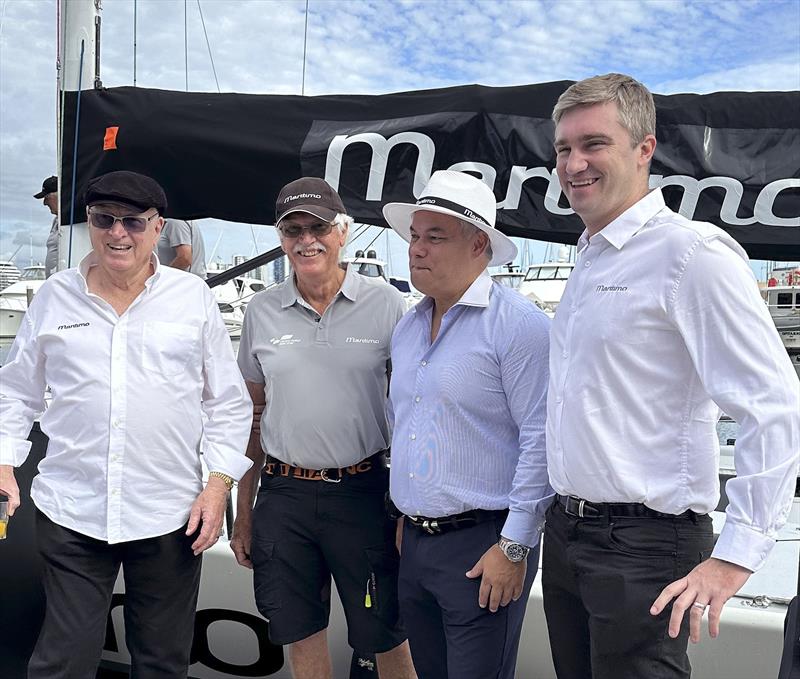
pixel 167 347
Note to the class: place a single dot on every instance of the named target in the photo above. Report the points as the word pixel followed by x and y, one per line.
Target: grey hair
pixel 468 230
pixel 637 112
pixel 342 222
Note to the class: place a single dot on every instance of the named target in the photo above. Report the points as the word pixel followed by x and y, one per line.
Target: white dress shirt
pixel 135 399
pixel 660 325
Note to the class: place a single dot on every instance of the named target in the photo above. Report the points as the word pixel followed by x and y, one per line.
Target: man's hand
pixel 242 535
pixel 711 583
pixel 9 487
pixel 208 511
pixel 502 581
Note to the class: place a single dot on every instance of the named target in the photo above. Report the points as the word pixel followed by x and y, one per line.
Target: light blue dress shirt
pixel 468 410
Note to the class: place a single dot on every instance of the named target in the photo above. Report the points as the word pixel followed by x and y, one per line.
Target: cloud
pixel 378 46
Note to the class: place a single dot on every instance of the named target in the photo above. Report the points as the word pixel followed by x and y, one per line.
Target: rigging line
pixel 305 48
pixel 208 44
pixel 186 42
pixel 134 42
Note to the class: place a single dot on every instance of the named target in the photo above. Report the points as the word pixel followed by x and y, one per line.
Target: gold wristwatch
pixel 227 479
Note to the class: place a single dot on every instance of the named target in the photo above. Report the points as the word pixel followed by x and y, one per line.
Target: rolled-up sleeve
pixel 226 403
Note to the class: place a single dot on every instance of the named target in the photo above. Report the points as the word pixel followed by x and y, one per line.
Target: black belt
pixel 583 509
pixel 445 524
pixel 274 467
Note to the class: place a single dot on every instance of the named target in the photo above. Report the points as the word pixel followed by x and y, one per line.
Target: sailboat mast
pixel 78 65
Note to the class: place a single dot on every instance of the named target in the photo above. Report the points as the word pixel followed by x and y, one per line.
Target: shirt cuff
pixel 234 466
pixel 743 546
pixel 519 527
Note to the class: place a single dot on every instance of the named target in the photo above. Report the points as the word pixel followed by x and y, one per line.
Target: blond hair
pixel 637 112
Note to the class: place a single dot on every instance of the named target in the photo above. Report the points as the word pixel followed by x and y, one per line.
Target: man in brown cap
pixel 315 356
pixel 49 196
pixel 136 397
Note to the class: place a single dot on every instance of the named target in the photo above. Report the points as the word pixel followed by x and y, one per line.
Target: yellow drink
pixel 3 525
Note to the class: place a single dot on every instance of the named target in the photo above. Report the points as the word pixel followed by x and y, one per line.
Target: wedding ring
pixel 702 607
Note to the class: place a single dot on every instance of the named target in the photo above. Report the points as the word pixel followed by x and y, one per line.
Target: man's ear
pixel 480 244
pixel 647 147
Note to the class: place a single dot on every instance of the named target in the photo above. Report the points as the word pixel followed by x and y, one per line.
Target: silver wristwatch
pixel 514 551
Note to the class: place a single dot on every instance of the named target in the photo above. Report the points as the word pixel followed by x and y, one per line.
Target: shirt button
pixel 413 437
pixel 115 424
pixel 559 399
pixel 416 400
pixel 114 491
pixel 587 264
pixel 424 363
pixel 564 354
pixel 411 475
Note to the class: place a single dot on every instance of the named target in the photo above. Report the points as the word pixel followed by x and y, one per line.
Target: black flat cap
pixel 49 185
pixel 130 188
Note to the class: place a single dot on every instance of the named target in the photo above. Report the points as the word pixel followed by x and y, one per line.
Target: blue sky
pixel 370 47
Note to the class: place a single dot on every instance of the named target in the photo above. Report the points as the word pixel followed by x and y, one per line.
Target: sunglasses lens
pixel 316 230
pixel 321 229
pixel 136 224
pixel 101 220
pixel 292 231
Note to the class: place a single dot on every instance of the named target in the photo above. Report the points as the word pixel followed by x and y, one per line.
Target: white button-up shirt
pixel 660 325
pixel 135 399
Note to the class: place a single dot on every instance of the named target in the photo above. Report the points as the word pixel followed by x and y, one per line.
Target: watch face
pixel 515 552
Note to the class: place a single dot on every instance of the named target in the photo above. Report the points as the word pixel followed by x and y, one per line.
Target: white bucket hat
pixel 460 195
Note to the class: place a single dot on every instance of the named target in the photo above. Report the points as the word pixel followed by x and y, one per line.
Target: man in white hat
pixel 468 400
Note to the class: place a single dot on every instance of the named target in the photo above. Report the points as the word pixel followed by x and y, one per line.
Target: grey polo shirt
pixel 179 232
pixel 325 376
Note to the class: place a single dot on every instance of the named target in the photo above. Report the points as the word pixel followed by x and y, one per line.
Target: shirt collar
pixel 477 294
pixel 350 286
pixel 90 260
pixel 628 224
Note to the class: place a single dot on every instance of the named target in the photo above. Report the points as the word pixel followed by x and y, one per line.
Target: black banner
pixel 732 158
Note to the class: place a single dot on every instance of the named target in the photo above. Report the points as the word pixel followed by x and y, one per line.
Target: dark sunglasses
pixel 103 220
pixel 317 230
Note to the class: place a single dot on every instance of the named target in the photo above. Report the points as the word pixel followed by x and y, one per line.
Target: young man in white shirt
pixel 661 325
pixel 134 396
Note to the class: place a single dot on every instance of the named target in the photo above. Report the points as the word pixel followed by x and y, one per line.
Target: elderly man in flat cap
pixel 468 394
pixel 136 397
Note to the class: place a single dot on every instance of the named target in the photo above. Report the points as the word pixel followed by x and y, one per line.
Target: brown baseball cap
pixel 308 194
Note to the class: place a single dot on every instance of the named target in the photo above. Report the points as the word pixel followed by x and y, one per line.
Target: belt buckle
pixel 431 526
pixel 323 474
pixel 581 504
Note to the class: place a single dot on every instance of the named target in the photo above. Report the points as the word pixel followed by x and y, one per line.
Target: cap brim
pixel 399 216
pixel 317 211
pixel 41 194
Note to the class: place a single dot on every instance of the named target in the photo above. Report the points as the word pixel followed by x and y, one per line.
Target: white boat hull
pixel 749 645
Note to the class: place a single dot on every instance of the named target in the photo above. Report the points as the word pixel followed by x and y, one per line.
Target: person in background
pixel 315 356
pixel 49 196
pixel 661 325
pixel 468 395
pixel 181 247
pixel 136 398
